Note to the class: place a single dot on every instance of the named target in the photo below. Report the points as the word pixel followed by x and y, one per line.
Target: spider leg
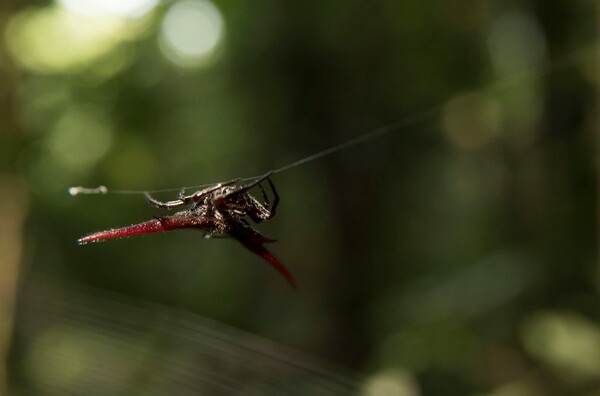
pixel 187 199
pixel 258 212
pixel 272 207
pixel 257 182
pixel 264 195
pixel 266 210
pixel 164 205
pixel 247 187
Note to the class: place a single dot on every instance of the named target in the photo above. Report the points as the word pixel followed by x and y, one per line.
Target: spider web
pixel 87 341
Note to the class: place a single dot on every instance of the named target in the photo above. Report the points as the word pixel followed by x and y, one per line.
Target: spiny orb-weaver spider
pixel 218 211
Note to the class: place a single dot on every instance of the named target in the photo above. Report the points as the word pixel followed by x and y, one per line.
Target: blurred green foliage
pixel 456 256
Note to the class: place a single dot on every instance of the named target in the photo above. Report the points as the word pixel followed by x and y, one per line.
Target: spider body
pixel 218 211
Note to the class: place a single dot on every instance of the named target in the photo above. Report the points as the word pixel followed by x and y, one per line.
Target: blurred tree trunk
pixel 597 50
pixel 13 212
pixel 14 201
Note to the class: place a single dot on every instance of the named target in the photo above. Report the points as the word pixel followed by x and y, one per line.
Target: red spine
pixel 147 227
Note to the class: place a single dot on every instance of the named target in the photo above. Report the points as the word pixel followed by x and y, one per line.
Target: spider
pixel 218 211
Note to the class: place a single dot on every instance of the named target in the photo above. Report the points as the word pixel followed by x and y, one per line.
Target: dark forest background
pixel 454 256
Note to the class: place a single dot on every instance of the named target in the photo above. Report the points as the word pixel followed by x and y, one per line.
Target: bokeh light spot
pixel 191 32
pixel 54 40
pixel 79 139
pixel 517 44
pixel 129 8
pixel 391 382
pixel 471 120
pixel 41 357
pixel 567 343
pixel 64 356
